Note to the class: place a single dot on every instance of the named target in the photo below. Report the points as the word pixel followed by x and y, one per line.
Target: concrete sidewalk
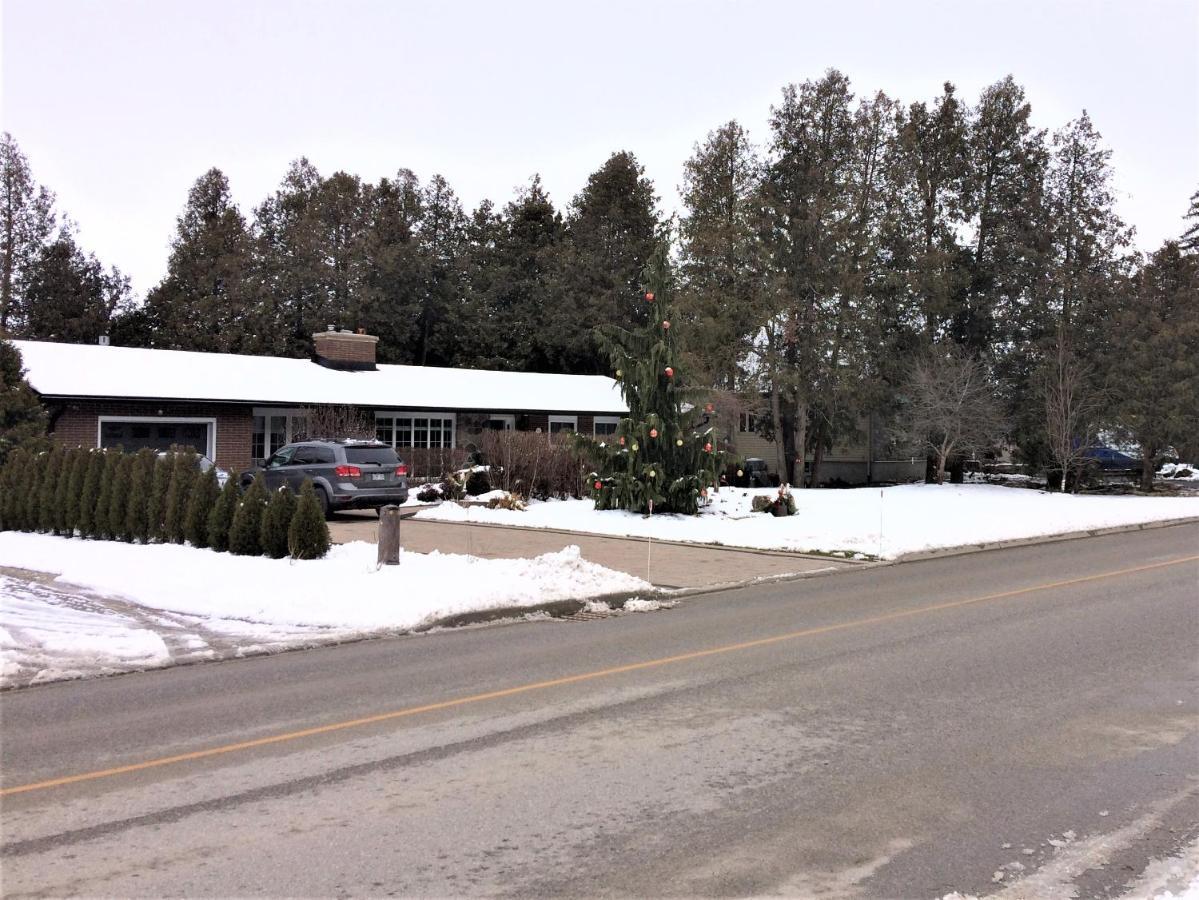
pixel 667 565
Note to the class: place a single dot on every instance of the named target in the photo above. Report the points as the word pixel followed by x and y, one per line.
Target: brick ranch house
pixel 238 410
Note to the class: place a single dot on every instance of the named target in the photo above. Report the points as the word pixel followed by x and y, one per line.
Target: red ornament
pixel 708 407
pixel 653 432
pixel 622 442
pixel 598 485
pixel 665 324
pixel 707 448
pixel 649 296
pixel 669 372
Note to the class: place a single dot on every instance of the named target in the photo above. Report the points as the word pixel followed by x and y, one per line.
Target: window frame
pixel 572 421
pixel 210 421
pixel 395 415
pixel 605 420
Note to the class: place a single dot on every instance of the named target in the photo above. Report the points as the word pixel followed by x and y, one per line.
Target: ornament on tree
pixel 740 473
pixel 636 447
pixel 598 485
pixel 622 442
pixel 653 432
pixel 679 442
pixel 708 407
pixel 619 373
pixel 665 324
pixel 649 296
pixel 707 448
pixel 669 372
pixel 652 474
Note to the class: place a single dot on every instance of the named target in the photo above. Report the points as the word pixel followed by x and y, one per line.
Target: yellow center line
pixel 571 679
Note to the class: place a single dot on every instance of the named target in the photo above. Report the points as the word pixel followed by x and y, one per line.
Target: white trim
pixel 210 450
pixel 572 421
pixel 606 420
pixel 420 414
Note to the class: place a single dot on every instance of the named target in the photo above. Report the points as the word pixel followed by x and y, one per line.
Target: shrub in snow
pixel 221 517
pixel 48 489
pixel 782 504
pixel 507 501
pixel 61 489
pixel 184 470
pixel 477 482
pixel 137 523
pixel 276 521
pixel 246 528
pixel 90 496
pixel 199 508
pixel 428 494
pixel 451 487
pixel 33 489
pixel 12 491
pixel 308 535
pixel 157 504
pixel 118 499
pixel 80 460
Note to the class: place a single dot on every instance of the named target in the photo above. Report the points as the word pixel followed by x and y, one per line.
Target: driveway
pixel 664 564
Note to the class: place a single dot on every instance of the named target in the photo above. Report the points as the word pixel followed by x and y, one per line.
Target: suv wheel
pixel 323 499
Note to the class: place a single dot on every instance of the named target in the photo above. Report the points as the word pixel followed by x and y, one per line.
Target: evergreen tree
pixel 612 233
pixel 22 419
pixel 89 497
pixel 12 491
pixel 156 503
pixel 118 497
pixel 221 518
pixel 441 237
pixel 656 456
pixel 62 491
pixel 33 495
pixel 184 468
pixel 308 534
pixel 246 528
pixel 48 491
pixel 275 522
pixel 80 459
pixel 394 280
pixel 137 521
pixel 69 297
pixel 27 221
pixel 108 479
pixel 199 507
pixel 1190 237
pixel 208 294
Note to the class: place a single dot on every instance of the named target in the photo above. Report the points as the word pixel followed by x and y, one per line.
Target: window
pixel 747 423
pixel 272 428
pixel 422 430
pixel 559 424
pixel 372 456
pixel 499 422
pixel 136 433
pixel 605 425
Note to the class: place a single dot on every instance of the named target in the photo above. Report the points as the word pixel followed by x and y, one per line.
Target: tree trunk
pixel 1147 460
pixel 817 458
pixel 941 458
pixel 800 440
pixel 776 418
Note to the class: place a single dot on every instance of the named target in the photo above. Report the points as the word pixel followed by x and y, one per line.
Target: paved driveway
pixel 664 564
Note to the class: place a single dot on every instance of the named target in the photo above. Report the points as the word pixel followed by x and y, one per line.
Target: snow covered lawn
pixel 146 606
pixel 886 523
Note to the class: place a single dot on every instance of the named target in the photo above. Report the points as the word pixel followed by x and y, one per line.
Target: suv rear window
pixel 372 456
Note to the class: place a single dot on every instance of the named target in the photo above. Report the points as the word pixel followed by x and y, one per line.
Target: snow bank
pixel 886 522
pixel 253 604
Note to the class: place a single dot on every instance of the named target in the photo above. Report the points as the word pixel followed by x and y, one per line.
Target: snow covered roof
pixel 89 370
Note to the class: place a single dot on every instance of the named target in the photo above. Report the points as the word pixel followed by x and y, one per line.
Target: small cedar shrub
pixel 199 507
pixel 137 525
pixel 48 490
pixel 246 528
pixel 221 517
pixel 276 521
pixel 90 496
pixel 428 494
pixel 118 503
pixel 112 461
pixel 184 469
pixel 157 503
pixel 62 490
pixel 308 535
pixel 79 469
pixel 12 490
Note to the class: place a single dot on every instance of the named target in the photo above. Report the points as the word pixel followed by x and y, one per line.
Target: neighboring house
pixel 237 410
pixel 864 461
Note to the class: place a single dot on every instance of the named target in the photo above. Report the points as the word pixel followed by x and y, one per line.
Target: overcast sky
pixel 120 105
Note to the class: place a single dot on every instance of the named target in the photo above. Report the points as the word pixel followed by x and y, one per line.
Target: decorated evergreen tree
pixel 280 510
pixel 199 508
pixel 247 521
pixel 221 517
pixel 659 453
pixel 308 534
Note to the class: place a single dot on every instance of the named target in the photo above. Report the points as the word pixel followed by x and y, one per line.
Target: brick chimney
pixel 345 349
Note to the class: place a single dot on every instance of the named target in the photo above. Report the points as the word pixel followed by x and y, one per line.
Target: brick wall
pixel 338 346
pixel 78 424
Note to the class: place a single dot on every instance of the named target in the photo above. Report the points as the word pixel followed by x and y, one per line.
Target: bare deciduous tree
pixel 1072 409
pixel 950 408
pixel 334 422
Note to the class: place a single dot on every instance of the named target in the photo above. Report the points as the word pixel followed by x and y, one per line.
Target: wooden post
pixel 389 536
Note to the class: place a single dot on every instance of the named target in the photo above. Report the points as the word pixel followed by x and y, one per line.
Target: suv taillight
pixel 348 472
pixel 401 470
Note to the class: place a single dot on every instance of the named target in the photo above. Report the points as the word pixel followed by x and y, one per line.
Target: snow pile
pixel 252 604
pixel 883 522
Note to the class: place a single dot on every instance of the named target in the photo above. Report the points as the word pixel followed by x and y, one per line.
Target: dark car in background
pixel 347 474
pixel 1109 459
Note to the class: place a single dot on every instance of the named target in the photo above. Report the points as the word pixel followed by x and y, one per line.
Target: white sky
pixel 120 105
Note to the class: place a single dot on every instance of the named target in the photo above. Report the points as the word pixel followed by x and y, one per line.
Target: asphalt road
pixel 1023 716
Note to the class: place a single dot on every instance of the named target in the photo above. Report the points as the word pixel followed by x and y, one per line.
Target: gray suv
pixel 347 474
